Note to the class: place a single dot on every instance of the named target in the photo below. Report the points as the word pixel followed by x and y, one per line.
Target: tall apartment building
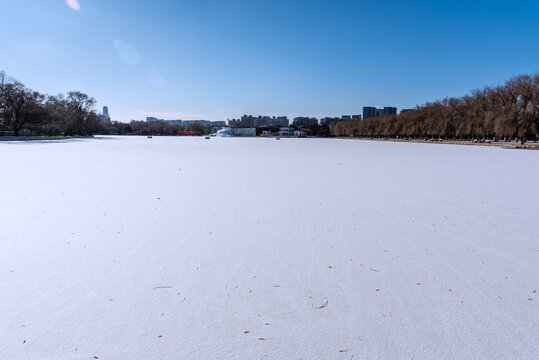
pixel 106 112
pixel 250 121
pixel 279 121
pixel 105 116
pixel 328 120
pixel 369 111
pixel 389 110
pixel 303 121
pixel 372 111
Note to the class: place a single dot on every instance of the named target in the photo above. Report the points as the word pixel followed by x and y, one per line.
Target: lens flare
pixel 127 53
pixel 74 4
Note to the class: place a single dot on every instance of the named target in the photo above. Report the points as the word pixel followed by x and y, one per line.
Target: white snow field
pixel 238 248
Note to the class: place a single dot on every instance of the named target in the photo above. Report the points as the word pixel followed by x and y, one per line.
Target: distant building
pixel 248 121
pixel 389 110
pixel 286 131
pixel 406 110
pixel 346 117
pixel 291 132
pixel 106 112
pixel 328 120
pixel 279 121
pixel 356 117
pixel 305 121
pixel 259 121
pixel 105 116
pixel 369 111
pixel 372 111
pixel 234 122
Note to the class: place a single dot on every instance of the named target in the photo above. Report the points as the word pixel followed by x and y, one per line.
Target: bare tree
pixel 15 97
pixel 79 107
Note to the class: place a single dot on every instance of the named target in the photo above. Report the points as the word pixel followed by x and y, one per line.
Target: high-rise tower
pixel 106 112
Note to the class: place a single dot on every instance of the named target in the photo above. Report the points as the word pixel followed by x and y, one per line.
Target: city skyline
pixel 210 60
pixel 280 120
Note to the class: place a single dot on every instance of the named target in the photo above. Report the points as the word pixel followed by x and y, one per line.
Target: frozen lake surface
pixel 185 248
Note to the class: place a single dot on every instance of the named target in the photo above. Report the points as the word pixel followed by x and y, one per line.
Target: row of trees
pixel 164 128
pixel 22 109
pixel 507 111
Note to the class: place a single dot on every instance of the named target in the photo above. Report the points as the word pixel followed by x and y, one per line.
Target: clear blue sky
pixel 219 59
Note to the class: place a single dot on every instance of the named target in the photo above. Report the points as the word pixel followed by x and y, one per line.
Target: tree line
pixel 156 128
pixel 22 109
pixel 508 111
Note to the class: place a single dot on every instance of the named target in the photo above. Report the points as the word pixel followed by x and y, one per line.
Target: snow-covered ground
pixel 228 248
